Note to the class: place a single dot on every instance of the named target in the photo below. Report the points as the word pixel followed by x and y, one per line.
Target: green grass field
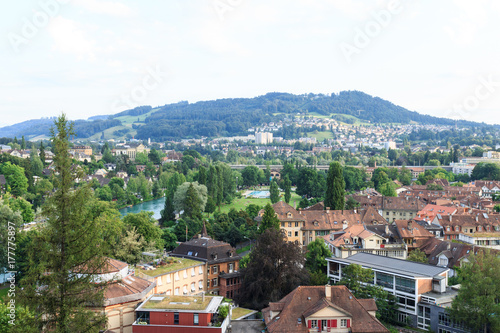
pixel 320 136
pixel 242 203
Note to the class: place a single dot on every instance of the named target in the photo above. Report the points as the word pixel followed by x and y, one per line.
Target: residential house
pixel 412 233
pixel 130 150
pixel 392 208
pixel 219 260
pixel 176 276
pixel 358 238
pixel 322 309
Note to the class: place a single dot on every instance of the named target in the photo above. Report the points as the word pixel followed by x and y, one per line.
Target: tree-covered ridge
pixel 234 116
pixel 35 127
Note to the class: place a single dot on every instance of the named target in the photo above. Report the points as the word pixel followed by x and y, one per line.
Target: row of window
pixel 215 268
pixel 329 323
pixel 290 224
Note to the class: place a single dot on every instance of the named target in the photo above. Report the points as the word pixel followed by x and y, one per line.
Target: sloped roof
pixel 306 300
pixel 206 249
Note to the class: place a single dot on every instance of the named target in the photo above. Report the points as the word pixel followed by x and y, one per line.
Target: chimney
pixel 328 292
pixel 410 225
pixel 327 210
pixel 477 218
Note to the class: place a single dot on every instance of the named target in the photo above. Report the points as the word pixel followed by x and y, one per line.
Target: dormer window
pixel 289 215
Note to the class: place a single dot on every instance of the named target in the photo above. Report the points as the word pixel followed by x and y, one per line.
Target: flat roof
pixel 159 302
pixel 392 265
pixel 172 264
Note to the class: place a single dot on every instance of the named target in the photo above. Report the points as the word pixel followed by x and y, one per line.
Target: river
pixel 154 206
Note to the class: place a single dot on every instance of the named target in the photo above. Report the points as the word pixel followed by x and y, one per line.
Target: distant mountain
pixel 233 116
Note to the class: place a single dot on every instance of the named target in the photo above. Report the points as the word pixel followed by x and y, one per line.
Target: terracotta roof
pixel 306 300
pixel 128 286
pixel 284 211
pixel 369 304
pixel 318 206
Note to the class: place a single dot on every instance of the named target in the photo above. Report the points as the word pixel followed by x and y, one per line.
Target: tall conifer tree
pixel 60 284
pixel 335 187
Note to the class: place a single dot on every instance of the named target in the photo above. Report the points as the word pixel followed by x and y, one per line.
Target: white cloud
pixel 105 7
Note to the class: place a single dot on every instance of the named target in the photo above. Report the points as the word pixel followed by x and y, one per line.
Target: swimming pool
pixel 259 194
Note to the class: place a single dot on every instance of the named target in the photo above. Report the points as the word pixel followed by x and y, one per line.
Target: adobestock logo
pixel 32 26
pixel 364 36
pixel 137 95
pixel 483 91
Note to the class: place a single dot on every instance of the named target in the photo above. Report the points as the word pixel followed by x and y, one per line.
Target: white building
pixel 462 168
pixel 263 138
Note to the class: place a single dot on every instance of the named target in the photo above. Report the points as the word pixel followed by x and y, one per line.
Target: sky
pixel 99 57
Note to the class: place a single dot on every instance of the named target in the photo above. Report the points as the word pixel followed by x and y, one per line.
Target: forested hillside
pixel 234 116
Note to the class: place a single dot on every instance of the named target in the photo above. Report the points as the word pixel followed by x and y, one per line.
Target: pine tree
pixel 269 219
pixel 72 241
pixel 220 186
pixel 23 143
pixel 192 203
pixel 288 189
pixel 42 152
pixel 202 176
pixel 274 192
pixel 335 190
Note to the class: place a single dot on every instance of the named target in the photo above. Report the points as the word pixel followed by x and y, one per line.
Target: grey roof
pixel 392 265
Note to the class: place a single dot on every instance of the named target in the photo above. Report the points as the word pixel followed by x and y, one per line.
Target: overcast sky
pixel 94 57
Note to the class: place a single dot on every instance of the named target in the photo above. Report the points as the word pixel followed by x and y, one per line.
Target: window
pixel 324 324
pixel 314 323
pixel 385 280
pixel 296 234
pixel 296 224
pixel 289 234
pixel 231 267
pixel 404 284
pixel 214 269
pixel 176 318
pixel 200 284
pixel 159 281
pixel 176 276
pixel 214 282
pixel 195 319
pixel 200 271
pixel 289 224
pixel 185 289
pixel 193 286
pixel 193 272
pixel 185 275
pixel 343 322
pixel 169 278
pixel 176 292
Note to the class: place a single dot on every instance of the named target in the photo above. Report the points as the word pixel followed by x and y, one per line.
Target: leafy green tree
pixel 405 176
pixel 169 239
pixel 191 198
pixel 22 206
pixel 335 187
pixel 16 179
pixel 104 193
pixel 141 158
pixel 36 164
pixel 288 188
pixel 18 322
pixel 252 210
pixel 310 183
pixel 478 303
pixel 275 268
pixel 418 255
pixel 74 239
pixel 146 226
pixel 154 156
pixel 250 175
pixel 274 192
pixel 269 219
pixel 316 262
pixel 388 189
pixel 202 175
pixel 130 247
